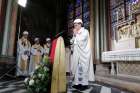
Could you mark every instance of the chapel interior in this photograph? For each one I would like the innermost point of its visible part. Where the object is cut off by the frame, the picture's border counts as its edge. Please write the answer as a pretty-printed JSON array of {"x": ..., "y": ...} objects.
[{"x": 114, "y": 27}]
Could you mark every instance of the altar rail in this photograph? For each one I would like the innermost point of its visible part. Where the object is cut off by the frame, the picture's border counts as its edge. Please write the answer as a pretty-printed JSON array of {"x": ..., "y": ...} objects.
[
  {"x": 121, "y": 55},
  {"x": 123, "y": 62}
]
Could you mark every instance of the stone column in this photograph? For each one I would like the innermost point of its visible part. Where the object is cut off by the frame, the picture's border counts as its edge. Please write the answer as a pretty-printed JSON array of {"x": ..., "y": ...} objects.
[
  {"x": 103, "y": 31},
  {"x": 0, "y": 23},
  {"x": 3, "y": 6},
  {"x": 12, "y": 34},
  {"x": 6, "y": 28},
  {"x": 10, "y": 28},
  {"x": 100, "y": 36},
  {"x": 97, "y": 32},
  {"x": 91, "y": 26}
]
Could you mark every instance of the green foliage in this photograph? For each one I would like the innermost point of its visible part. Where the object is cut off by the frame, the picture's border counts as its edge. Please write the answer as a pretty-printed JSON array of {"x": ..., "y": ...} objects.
[{"x": 39, "y": 81}]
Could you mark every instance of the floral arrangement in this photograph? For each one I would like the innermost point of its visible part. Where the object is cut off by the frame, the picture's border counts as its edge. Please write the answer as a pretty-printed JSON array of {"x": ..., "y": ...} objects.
[{"x": 39, "y": 81}]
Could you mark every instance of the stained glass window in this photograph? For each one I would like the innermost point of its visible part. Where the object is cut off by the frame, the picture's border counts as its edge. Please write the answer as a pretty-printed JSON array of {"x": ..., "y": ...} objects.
[
  {"x": 119, "y": 11},
  {"x": 78, "y": 9}
]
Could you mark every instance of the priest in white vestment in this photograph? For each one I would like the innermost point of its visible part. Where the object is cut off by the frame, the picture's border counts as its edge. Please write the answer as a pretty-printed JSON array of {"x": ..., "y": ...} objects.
[
  {"x": 36, "y": 55},
  {"x": 81, "y": 62},
  {"x": 23, "y": 53},
  {"x": 47, "y": 47}
]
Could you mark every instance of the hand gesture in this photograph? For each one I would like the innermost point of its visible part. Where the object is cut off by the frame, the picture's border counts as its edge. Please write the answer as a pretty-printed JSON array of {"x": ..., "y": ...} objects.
[{"x": 74, "y": 32}]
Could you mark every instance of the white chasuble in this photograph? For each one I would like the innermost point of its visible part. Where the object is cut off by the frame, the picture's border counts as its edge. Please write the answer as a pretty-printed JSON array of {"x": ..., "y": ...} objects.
[
  {"x": 81, "y": 62},
  {"x": 23, "y": 53},
  {"x": 36, "y": 57}
]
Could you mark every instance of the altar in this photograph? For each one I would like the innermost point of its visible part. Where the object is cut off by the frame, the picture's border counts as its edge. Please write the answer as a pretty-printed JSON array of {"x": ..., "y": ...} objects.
[
  {"x": 124, "y": 54},
  {"x": 123, "y": 62}
]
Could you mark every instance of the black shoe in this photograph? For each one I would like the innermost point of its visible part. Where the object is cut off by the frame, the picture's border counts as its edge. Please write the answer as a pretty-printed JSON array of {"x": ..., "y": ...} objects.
[
  {"x": 84, "y": 87},
  {"x": 76, "y": 86}
]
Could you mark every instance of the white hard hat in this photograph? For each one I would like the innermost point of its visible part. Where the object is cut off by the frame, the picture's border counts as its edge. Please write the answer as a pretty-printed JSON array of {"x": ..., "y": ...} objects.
[
  {"x": 25, "y": 33},
  {"x": 78, "y": 21}
]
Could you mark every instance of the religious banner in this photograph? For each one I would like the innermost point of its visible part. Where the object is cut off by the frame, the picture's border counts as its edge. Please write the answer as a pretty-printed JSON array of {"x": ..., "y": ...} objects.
[{"x": 58, "y": 84}]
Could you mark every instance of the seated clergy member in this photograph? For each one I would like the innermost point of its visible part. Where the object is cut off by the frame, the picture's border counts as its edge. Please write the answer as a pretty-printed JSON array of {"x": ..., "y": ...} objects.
[
  {"x": 23, "y": 52},
  {"x": 36, "y": 55}
]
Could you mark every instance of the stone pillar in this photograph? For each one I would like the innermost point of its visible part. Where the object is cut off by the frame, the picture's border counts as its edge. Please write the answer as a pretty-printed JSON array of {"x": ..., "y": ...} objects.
[
  {"x": 103, "y": 29},
  {"x": 97, "y": 32},
  {"x": 12, "y": 35},
  {"x": 100, "y": 36},
  {"x": 92, "y": 27},
  {"x": 0, "y": 24},
  {"x": 3, "y": 5},
  {"x": 6, "y": 28},
  {"x": 10, "y": 28},
  {"x": 100, "y": 28}
]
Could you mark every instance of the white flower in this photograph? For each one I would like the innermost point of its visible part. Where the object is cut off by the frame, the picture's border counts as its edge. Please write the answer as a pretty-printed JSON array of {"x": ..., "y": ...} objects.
[
  {"x": 26, "y": 80},
  {"x": 37, "y": 67},
  {"x": 46, "y": 69},
  {"x": 31, "y": 82},
  {"x": 39, "y": 75},
  {"x": 37, "y": 81},
  {"x": 33, "y": 76},
  {"x": 43, "y": 76}
]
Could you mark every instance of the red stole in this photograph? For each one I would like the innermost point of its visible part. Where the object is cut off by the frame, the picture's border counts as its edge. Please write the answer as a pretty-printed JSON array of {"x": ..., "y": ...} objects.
[{"x": 52, "y": 53}]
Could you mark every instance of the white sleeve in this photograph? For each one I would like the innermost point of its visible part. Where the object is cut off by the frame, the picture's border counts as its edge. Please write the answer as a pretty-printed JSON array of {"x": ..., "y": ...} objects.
[
  {"x": 33, "y": 51},
  {"x": 72, "y": 40},
  {"x": 82, "y": 40},
  {"x": 42, "y": 51},
  {"x": 20, "y": 48},
  {"x": 84, "y": 36}
]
